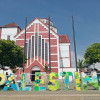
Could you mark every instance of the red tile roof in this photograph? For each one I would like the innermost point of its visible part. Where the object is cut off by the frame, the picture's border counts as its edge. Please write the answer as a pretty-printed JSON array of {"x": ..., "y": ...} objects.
[
  {"x": 64, "y": 39},
  {"x": 10, "y": 25}
]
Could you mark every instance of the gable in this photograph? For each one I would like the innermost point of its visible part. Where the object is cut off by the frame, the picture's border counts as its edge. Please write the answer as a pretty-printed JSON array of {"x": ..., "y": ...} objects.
[{"x": 31, "y": 28}]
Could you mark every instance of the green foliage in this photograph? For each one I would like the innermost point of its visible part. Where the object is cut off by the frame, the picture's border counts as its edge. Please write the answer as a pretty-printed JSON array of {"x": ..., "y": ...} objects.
[
  {"x": 92, "y": 54},
  {"x": 11, "y": 55},
  {"x": 46, "y": 69},
  {"x": 80, "y": 64}
]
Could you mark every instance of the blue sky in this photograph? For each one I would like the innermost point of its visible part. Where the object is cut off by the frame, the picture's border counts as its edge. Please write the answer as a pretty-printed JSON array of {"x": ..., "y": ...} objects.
[{"x": 86, "y": 17}]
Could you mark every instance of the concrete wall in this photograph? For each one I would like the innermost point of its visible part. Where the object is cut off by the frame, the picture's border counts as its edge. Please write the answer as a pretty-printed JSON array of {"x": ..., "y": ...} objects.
[
  {"x": 64, "y": 55},
  {"x": 8, "y": 31}
]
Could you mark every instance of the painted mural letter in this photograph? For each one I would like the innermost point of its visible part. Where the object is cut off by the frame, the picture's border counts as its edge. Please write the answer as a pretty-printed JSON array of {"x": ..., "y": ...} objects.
[
  {"x": 66, "y": 75},
  {"x": 93, "y": 81},
  {"x": 2, "y": 79},
  {"x": 11, "y": 83},
  {"x": 78, "y": 86},
  {"x": 51, "y": 87},
  {"x": 37, "y": 81},
  {"x": 23, "y": 86}
]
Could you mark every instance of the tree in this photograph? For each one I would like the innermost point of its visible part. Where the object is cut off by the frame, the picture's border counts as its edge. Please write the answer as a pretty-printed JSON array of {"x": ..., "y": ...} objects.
[
  {"x": 11, "y": 55},
  {"x": 80, "y": 64},
  {"x": 46, "y": 69},
  {"x": 92, "y": 54}
]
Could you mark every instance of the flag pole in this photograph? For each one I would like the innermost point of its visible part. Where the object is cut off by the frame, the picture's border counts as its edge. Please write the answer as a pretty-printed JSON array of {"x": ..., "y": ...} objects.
[
  {"x": 74, "y": 43},
  {"x": 49, "y": 47},
  {"x": 24, "y": 44}
]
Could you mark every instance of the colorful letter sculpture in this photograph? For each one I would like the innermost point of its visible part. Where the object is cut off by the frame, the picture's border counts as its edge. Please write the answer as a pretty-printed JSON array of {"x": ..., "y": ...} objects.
[
  {"x": 70, "y": 74},
  {"x": 66, "y": 75},
  {"x": 11, "y": 83},
  {"x": 38, "y": 81},
  {"x": 23, "y": 86},
  {"x": 2, "y": 79},
  {"x": 93, "y": 81},
  {"x": 78, "y": 86},
  {"x": 51, "y": 87}
]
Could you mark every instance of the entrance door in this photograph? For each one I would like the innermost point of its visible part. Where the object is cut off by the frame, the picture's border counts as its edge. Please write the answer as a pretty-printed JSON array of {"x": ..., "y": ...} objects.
[
  {"x": 33, "y": 76},
  {"x": 34, "y": 69}
]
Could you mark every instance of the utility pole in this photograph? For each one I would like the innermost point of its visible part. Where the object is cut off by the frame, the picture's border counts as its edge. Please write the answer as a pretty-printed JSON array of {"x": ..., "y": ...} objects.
[
  {"x": 24, "y": 44},
  {"x": 74, "y": 43},
  {"x": 49, "y": 47}
]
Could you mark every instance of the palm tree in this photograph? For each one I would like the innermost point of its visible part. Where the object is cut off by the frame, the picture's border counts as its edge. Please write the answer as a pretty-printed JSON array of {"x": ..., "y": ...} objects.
[
  {"x": 80, "y": 64},
  {"x": 46, "y": 69}
]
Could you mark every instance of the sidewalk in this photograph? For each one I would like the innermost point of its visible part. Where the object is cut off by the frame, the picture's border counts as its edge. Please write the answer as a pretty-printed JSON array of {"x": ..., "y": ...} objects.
[{"x": 50, "y": 95}]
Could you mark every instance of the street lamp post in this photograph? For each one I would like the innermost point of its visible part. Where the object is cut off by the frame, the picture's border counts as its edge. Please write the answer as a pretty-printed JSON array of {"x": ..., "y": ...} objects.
[
  {"x": 24, "y": 44},
  {"x": 74, "y": 43},
  {"x": 49, "y": 48}
]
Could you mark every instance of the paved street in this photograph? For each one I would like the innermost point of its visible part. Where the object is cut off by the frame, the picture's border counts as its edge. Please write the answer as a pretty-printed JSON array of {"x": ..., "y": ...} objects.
[{"x": 68, "y": 95}]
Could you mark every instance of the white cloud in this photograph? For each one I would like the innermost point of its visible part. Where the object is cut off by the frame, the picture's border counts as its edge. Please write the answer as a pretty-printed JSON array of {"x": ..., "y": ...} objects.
[{"x": 73, "y": 58}]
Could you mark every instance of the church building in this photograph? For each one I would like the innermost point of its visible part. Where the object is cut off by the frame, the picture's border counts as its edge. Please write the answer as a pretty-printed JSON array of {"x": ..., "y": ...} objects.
[{"x": 37, "y": 46}]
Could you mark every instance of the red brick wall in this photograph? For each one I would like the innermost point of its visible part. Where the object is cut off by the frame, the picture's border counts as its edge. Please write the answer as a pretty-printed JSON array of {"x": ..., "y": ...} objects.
[
  {"x": 53, "y": 50},
  {"x": 53, "y": 41},
  {"x": 41, "y": 28},
  {"x": 54, "y": 70},
  {"x": 54, "y": 64},
  {"x": 44, "y": 35},
  {"x": 28, "y": 35},
  {"x": 54, "y": 58},
  {"x": 31, "y": 29},
  {"x": 20, "y": 42}
]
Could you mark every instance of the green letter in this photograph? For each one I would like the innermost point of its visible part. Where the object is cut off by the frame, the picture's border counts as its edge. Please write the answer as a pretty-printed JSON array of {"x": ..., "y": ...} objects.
[
  {"x": 78, "y": 87},
  {"x": 93, "y": 81},
  {"x": 23, "y": 88},
  {"x": 53, "y": 88},
  {"x": 37, "y": 81}
]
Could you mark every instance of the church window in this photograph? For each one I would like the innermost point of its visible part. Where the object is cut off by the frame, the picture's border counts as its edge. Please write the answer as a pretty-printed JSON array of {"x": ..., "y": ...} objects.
[
  {"x": 29, "y": 49},
  {"x": 36, "y": 35},
  {"x": 42, "y": 48},
  {"x": 32, "y": 46},
  {"x": 39, "y": 51},
  {"x": 46, "y": 51}
]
